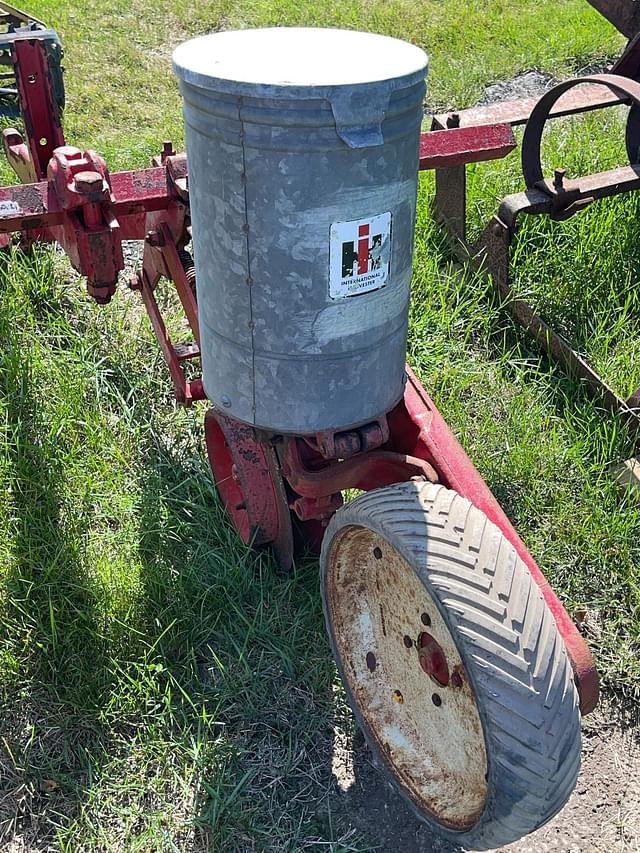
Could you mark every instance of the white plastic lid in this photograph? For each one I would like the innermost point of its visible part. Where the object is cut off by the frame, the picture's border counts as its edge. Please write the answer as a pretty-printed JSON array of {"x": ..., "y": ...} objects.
[{"x": 286, "y": 59}]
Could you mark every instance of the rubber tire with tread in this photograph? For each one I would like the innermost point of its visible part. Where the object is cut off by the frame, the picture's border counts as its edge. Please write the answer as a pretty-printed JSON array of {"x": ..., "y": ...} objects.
[{"x": 529, "y": 713}]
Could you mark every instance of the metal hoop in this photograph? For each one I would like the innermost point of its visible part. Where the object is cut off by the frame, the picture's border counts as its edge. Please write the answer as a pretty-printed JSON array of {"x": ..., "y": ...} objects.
[{"x": 621, "y": 86}]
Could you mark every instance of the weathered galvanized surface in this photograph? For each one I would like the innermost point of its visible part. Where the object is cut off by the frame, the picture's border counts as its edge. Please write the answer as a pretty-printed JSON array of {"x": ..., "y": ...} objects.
[
  {"x": 407, "y": 676},
  {"x": 302, "y": 174}
]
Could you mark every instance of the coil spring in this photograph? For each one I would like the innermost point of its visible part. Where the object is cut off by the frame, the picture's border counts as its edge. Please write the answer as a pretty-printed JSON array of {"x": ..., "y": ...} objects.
[{"x": 189, "y": 268}]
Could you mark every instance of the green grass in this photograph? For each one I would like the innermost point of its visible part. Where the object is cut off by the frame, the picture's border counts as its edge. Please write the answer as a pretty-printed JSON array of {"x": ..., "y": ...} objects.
[{"x": 162, "y": 687}]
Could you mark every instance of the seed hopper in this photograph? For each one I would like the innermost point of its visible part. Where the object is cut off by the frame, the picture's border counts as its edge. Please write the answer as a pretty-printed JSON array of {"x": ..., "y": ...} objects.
[{"x": 288, "y": 235}]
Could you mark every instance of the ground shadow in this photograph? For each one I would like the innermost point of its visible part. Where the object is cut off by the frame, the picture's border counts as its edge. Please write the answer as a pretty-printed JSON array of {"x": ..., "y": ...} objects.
[
  {"x": 379, "y": 813},
  {"x": 49, "y": 724}
]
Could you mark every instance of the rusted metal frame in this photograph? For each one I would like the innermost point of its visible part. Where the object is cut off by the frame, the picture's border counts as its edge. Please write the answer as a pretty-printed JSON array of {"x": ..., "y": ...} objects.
[
  {"x": 16, "y": 17},
  {"x": 134, "y": 196},
  {"x": 458, "y": 146},
  {"x": 88, "y": 212},
  {"x": 627, "y": 89},
  {"x": 623, "y": 179},
  {"x": 166, "y": 231},
  {"x": 365, "y": 471},
  {"x": 492, "y": 254},
  {"x": 347, "y": 443},
  {"x": 23, "y": 207},
  {"x": 623, "y": 14},
  {"x": 450, "y": 203},
  {"x": 39, "y": 107},
  {"x": 448, "y": 151},
  {"x": 417, "y": 428},
  {"x": 628, "y": 64},
  {"x": 178, "y": 275},
  {"x": 186, "y": 392},
  {"x": 515, "y": 113}
]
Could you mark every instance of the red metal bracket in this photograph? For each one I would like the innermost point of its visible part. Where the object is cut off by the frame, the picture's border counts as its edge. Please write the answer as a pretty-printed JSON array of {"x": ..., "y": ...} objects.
[
  {"x": 38, "y": 104},
  {"x": 458, "y": 146},
  {"x": 312, "y": 479}
]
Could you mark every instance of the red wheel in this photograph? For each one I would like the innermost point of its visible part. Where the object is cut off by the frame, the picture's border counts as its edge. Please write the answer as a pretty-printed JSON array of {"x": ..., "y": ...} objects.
[{"x": 247, "y": 478}]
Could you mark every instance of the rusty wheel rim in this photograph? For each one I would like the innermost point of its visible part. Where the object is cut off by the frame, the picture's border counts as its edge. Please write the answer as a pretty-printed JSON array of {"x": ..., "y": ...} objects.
[{"x": 406, "y": 678}]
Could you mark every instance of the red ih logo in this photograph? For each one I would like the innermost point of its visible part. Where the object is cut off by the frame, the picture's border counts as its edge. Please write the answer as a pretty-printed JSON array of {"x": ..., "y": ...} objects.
[
  {"x": 359, "y": 255},
  {"x": 365, "y": 254}
]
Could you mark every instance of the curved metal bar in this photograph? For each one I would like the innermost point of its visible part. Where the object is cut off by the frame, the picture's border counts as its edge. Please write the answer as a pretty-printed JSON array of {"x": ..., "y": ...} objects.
[{"x": 531, "y": 164}]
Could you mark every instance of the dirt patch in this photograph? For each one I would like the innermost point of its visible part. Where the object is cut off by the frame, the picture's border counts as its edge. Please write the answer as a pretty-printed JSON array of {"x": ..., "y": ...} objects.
[
  {"x": 529, "y": 84},
  {"x": 532, "y": 84},
  {"x": 602, "y": 816}
]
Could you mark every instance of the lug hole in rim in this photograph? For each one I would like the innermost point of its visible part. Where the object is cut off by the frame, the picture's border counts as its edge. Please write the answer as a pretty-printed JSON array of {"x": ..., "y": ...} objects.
[
  {"x": 371, "y": 661},
  {"x": 377, "y": 553},
  {"x": 425, "y": 619},
  {"x": 436, "y": 699},
  {"x": 408, "y": 642}
]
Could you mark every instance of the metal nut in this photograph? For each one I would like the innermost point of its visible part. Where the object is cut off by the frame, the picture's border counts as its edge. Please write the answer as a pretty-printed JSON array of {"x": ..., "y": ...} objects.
[
  {"x": 558, "y": 178},
  {"x": 88, "y": 182},
  {"x": 155, "y": 239}
]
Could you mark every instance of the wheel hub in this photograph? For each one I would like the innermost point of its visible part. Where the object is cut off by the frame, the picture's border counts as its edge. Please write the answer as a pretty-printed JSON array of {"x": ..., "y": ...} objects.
[{"x": 432, "y": 659}]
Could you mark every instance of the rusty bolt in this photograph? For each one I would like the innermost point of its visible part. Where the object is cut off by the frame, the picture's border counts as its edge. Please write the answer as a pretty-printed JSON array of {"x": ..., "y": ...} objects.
[
  {"x": 88, "y": 183},
  {"x": 155, "y": 239},
  {"x": 135, "y": 283},
  {"x": 558, "y": 178},
  {"x": 167, "y": 151},
  {"x": 101, "y": 292}
]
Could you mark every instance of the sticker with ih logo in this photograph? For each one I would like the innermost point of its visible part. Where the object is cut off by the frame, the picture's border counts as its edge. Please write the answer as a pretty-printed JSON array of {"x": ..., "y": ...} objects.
[{"x": 359, "y": 255}]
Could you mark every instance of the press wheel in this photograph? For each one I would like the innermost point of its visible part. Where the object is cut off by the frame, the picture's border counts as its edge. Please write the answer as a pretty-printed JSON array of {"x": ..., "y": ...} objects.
[
  {"x": 452, "y": 662},
  {"x": 248, "y": 481}
]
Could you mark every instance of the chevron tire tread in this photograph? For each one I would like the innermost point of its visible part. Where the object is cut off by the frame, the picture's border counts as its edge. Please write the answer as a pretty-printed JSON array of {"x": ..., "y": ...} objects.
[{"x": 507, "y": 638}]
